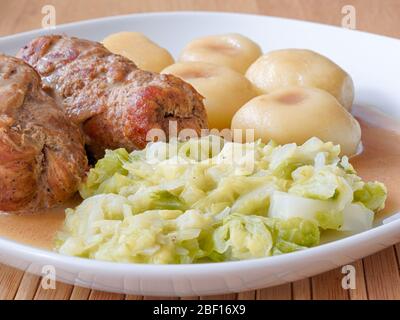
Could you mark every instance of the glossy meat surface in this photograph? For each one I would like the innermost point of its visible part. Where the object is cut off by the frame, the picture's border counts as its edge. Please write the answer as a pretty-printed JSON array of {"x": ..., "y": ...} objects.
[{"x": 115, "y": 102}]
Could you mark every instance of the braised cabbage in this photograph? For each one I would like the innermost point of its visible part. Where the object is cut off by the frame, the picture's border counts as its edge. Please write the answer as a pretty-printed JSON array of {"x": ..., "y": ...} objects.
[{"x": 211, "y": 200}]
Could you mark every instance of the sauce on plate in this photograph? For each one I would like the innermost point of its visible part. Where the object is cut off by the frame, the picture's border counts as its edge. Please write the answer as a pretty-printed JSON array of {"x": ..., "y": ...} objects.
[{"x": 380, "y": 160}]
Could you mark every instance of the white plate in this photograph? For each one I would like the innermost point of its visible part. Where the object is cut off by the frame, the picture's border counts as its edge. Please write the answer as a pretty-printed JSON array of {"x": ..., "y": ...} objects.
[{"x": 373, "y": 62}]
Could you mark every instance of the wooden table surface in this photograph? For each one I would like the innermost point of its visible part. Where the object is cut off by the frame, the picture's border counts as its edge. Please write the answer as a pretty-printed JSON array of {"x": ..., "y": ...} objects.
[{"x": 377, "y": 276}]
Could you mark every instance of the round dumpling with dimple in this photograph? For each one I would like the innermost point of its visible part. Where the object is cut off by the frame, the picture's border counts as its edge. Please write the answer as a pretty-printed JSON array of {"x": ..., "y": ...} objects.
[
  {"x": 135, "y": 46},
  {"x": 224, "y": 89},
  {"x": 297, "y": 67},
  {"x": 296, "y": 114},
  {"x": 230, "y": 50}
]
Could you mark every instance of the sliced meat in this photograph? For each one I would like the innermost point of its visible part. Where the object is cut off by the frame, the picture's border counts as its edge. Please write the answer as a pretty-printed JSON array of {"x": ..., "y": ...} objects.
[
  {"x": 115, "y": 102},
  {"x": 42, "y": 155}
]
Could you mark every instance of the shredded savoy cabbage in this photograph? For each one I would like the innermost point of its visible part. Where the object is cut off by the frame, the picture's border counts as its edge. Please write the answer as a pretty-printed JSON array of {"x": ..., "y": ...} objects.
[{"x": 210, "y": 200}]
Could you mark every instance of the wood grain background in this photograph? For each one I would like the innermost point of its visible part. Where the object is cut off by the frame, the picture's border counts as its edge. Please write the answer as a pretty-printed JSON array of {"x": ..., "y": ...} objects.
[
  {"x": 377, "y": 276},
  {"x": 378, "y": 16}
]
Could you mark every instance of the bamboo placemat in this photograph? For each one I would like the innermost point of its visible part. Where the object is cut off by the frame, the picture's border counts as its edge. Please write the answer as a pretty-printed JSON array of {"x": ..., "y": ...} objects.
[{"x": 377, "y": 277}]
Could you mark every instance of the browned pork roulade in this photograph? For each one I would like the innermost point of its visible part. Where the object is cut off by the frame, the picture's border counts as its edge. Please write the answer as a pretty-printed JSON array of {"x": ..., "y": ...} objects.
[
  {"x": 115, "y": 102},
  {"x": 42, "y": 155}
]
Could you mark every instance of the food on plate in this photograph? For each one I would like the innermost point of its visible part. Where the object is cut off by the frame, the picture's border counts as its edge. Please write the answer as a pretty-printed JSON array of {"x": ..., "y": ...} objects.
[
  {"x": 296, "y": 114},
  {"x": 192, "y": 200},
  {"x": 212, "y": 200},
  {"x": 115, "y": 102},
  {"x": 42, "y": 155},
  {"x": 296, "y": 67},
  {"x": 135, "y": 46},
  {"x": 231, "y": 50},
  {"x": 224, "y": 89}
]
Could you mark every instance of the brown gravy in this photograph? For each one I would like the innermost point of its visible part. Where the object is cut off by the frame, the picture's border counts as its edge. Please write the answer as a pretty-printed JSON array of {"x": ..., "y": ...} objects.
[{"x": 380, "y": 160}]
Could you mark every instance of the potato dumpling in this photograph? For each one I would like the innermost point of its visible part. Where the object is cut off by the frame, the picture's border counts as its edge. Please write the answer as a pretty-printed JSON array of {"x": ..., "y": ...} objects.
[
  {"x": 224, "y": 89},
  {"x": 296, "y": 67},
  {"x": 296, "y": 114},
  {"x": 135, "y": 46},
  {"x": 230, "y": 50}
]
